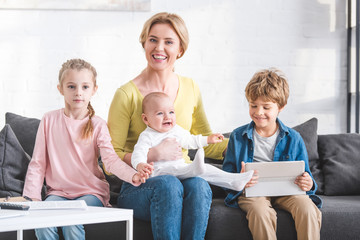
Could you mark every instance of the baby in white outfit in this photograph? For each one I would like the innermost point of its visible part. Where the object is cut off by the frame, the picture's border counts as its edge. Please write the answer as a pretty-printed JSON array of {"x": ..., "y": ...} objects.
[{"x": 159, "y": 116}]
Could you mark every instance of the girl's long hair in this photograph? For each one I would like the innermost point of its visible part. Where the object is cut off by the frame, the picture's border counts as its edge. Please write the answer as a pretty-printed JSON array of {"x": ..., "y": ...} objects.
[{"x": 79, "y": 64}]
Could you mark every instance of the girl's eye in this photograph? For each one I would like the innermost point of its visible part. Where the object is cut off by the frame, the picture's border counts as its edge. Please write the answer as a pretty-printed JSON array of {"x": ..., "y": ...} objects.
[
  {"x": 172, "y": 112},
  {"x": 71, "y": 87},
  {"x": 152, "y": 40},
  {"x": 86, "y": 87},
  {"x": 169, "y": 42}
]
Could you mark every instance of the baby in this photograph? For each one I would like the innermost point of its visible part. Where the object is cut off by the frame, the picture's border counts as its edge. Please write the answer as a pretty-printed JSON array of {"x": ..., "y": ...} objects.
[{"x": 159, "y": 116}]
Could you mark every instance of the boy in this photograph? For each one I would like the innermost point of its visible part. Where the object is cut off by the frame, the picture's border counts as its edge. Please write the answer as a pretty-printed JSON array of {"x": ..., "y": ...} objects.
[
  {"x": 159, "y": 116},
  {"x": 267, "y": 139}
]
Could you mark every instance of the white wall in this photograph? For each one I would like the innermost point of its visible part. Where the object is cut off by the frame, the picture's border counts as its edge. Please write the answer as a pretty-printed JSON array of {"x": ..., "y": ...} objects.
[{"x": 229, "y": 41}]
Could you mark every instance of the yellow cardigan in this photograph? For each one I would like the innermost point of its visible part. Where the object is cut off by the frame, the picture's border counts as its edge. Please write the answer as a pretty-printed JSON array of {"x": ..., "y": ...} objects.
[{"x": 125, "y": 123}]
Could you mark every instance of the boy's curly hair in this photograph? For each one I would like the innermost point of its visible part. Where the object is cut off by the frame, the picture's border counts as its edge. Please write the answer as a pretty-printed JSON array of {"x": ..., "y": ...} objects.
[{"x": 270, "y": 84}]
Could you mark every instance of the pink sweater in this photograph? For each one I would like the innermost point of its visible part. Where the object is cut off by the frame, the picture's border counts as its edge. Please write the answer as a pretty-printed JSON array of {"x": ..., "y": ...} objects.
[{"x": 68, "y": 163}]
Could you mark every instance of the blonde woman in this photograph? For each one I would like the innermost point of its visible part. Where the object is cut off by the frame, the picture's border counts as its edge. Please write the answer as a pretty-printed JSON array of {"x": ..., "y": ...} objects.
[{"x": 176, "y": 208}]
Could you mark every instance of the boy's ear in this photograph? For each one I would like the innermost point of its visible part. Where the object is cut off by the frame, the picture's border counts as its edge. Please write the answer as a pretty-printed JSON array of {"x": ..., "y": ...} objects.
[
  {"x": 60, "y": 89},
  {"x": 144, "y": 118},
  {"x": 280, "y": 109}
]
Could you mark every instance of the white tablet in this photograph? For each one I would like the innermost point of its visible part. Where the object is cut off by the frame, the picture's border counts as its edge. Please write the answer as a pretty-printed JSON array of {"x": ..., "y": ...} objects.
[{"x": 275, "y": 178}]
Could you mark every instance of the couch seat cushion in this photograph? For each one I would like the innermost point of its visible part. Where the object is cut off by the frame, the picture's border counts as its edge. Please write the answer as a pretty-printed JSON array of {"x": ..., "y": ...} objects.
[
  {"x": 230, "y": 223},
  {"x": 340, "y": 217}
]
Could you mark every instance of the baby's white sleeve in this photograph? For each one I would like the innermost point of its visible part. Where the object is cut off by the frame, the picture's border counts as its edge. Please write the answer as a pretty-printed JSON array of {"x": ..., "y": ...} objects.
[
  {"x": 141, "y": 150},
  {"x": 189, "y": 141}
]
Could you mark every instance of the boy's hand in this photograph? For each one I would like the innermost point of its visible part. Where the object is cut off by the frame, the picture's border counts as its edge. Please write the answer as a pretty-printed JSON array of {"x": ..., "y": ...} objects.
[
  {"x": 304, "y": 182},
  {"x": 253, "y": 180},
  {"x": 215, "y": 138}
]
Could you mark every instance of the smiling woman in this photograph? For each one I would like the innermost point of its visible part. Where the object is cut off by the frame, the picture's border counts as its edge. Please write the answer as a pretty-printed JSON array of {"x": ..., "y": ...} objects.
[
  {"x": 162, "y": 49},
  {"x": 176, "y": 207}
]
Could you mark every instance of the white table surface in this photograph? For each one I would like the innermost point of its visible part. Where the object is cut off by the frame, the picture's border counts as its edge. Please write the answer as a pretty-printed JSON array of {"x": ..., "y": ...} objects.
[{"x": 53, "y": 218}]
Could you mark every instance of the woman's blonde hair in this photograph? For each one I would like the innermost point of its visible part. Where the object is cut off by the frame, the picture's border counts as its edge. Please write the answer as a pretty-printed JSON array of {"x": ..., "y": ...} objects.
[
  {"x": 79, "y": 64},
  {"x": 271, "y": 84},
  {"x": 175, "y": 21}
]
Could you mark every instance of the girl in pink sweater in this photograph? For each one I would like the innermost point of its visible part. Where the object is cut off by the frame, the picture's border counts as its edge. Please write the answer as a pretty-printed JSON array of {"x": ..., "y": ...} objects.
[{"x": 68, "y": 144}]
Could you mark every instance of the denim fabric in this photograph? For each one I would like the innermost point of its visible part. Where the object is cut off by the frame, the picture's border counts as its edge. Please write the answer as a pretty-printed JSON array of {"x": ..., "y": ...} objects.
[
  {"x": 177, "y": 209},
  {"x": 69, "y": 232},
  {"x": 289, "y": 147},
  {"x": 196, "y": 207}
]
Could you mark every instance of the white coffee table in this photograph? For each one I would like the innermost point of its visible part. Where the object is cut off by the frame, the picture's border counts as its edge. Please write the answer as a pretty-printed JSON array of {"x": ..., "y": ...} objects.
[{"x": 54, "y": 218}]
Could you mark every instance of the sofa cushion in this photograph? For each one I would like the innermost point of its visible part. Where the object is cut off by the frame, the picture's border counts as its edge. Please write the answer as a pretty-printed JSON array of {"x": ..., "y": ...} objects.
[
  {"x": 25, "y": 130},
  {"x": 308, "y": 131},
  {"x": 340, "y": 217},
  {"x": 231, "y": 223},
  {"x": 13, "y": 164},
  {"x": 340, "y": 156}
]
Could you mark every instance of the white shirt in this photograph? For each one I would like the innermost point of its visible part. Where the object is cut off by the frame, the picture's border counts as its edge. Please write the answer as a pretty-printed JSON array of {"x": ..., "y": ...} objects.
[{"x": 150, "y": 138}]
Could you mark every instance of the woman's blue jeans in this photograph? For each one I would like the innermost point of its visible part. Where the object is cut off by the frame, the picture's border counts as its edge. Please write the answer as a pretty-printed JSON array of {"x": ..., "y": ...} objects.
[
  {"x": 70, "y": 232},
  {"x": 177, "y": 209}
]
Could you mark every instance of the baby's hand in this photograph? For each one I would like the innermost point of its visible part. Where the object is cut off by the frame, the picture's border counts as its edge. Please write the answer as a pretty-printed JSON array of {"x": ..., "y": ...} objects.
[
  {"x": 253, "y": 180},
  {"x": 215, "y": 138},
  {"x": 304, "y": 182},
  {"x": 145, "y": 169}
]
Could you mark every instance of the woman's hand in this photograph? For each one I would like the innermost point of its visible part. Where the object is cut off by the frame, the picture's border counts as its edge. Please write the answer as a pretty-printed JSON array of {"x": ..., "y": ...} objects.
[
  {"x": 253, "y": 180},
  {"x": 304, "y": 182},
  {"x": 168, "y": 150}
]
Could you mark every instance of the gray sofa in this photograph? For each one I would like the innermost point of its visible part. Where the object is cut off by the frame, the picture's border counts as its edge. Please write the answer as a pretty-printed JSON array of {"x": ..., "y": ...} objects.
[{"x": 334, "y": 161}]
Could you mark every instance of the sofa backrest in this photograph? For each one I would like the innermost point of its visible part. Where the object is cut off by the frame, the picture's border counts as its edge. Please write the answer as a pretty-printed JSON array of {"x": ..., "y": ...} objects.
[
  {"x": 25, "y": 130},
  {"x": 339, "y": 157}
]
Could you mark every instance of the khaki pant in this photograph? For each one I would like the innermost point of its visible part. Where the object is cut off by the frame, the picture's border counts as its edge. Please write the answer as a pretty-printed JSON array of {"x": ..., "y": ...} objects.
[{"x": 262, "y": 216}]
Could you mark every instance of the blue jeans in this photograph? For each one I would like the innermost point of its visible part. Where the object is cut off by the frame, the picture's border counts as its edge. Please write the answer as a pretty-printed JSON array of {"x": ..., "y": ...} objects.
[
  {"x": 177, "y": 209},
  {"x": 70, "y": 232}
]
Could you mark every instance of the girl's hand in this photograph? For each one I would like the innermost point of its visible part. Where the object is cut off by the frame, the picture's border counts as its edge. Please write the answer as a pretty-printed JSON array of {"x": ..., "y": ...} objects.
[
  {"x": 253, "y": 180},
  {"x": 139, "y": 178},
  {"x": 304, "y": 182},
  {"x": 168, "y": 150},
  {"x": 215, "y": 138}
]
